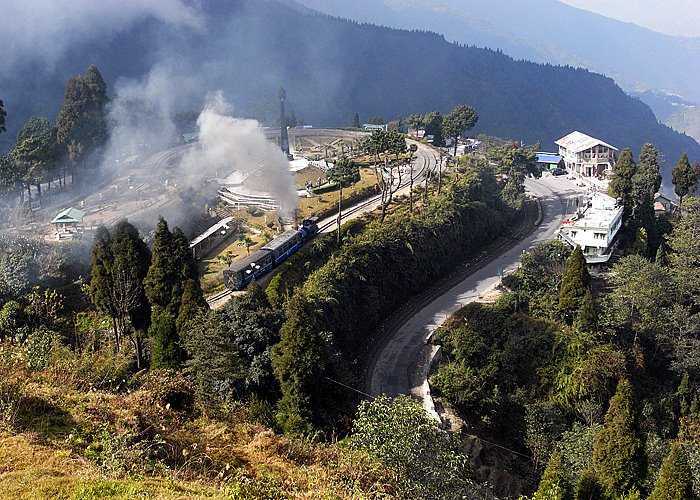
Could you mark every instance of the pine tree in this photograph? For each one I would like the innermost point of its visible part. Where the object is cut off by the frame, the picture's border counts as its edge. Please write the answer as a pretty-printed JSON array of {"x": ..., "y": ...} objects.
[
  {"x": 587, "y": 318},
  {"x": 554, "y": 484},
  {"x": 621, "y": 181},
  {"x": 101, "y": 277},
  {"x": 574, "y": 284},
  {"x": 675, "y": 481},
  {"x": 192, "y": 305},
  {"x": 685, "y": 179},
  {"x": 165, "y": 348},
  {"x": 617, "y": 448},
  {"x": 587, "y": 487},
  {"x": 661, "y": 258},
  {"x": 356, "y": 121},
  {"x": 162, "y": 274}
]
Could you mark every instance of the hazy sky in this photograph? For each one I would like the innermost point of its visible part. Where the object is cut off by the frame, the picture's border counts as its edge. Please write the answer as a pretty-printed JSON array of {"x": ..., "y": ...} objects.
[{"x": 675, "y": 17}]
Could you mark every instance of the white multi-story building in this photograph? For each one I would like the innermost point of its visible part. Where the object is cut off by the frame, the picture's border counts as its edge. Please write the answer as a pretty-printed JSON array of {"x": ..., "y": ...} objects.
[
  {"x": 594, "y": 228},
  {"x": 587, "y": 156}
]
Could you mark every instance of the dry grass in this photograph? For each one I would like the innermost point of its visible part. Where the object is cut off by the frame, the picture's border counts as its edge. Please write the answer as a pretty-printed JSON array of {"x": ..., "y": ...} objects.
[
  {"x": 311, "y": 206},
  {"x": 147, "y": 442}
]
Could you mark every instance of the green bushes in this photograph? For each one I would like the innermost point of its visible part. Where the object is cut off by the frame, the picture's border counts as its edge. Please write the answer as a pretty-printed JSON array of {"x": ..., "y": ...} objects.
[{"x": 345, "y": 301}]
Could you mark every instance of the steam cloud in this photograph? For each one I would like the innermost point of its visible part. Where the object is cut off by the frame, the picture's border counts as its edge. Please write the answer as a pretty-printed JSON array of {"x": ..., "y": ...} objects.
[
  {"x": 44, "y": 30},
  {"x": 228, "y": 143}
]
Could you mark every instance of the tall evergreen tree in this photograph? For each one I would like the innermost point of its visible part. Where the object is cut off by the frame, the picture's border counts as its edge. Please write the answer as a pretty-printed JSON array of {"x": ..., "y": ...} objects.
[
  {"x": 129, "y": 269},
  {"x": 433, "y": 122},
  {"x": 356, "y": 121},
  {"x": 101, "y": 278},
  {"x": 587, "y": 317},
  {"x": 621, "y": 181},
  {"x": 192, "y": 305},
  {"x": 554, "y": 484},
  {"x": 162, "y": 275},
  {"x": 82, "y": 120},
  {"x": 675, "y": 481},
  {"x": 458, "y": 121},
  {"x": 166, "y": 351},
  {"x": 618, "y": 453},
  {"x": 685, "y": 179},
  {"x": 574, "y": 284},
  {"x": 34, "y": 153}
]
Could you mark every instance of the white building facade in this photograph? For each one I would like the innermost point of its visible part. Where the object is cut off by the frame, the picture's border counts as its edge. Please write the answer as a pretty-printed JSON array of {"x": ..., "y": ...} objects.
[
  {"x": 587, "y": 156},
  {"x": 594, "y": 228}
]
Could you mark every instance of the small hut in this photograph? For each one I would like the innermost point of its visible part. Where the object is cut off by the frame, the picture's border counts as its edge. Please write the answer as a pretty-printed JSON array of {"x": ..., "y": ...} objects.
[{"x": 68, "y": 223}]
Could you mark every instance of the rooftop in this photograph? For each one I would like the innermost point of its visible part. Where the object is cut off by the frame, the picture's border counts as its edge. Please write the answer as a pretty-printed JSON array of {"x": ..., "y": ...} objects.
[
  {"x": 578, "y": 141},
  {"x": 601, "y": 213},
  {"x": 551, "y": 158},
  {"x": 280, "y": 240},
  {"x": 221, "y": 225},
  {"x": 69, "y": 216}
]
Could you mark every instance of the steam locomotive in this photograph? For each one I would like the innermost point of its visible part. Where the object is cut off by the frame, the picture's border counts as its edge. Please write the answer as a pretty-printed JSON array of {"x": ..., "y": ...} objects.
[{"x": 242, "y": 272}]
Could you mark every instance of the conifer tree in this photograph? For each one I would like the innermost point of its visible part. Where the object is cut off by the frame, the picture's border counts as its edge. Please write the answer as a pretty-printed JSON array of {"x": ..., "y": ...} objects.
[
  {"x": 621, "y": 181},
  {"x": 685, "y": 179},
  {"x": 587, "y": 318},
  {"x": 574, "y": 284},
  {"x": 356, "y": 121},
  {"x": 675, "y": 481},
  {"x": 192, "y": 304},
  {"x": 587, "y": 487},
  {"x": 101, "y": 277},
  {"x": 554, "y": 484},
  {"x": 165, "y": 350},
  {"x": 162, "y": 274},
  {"x": 617, "y": 448}
]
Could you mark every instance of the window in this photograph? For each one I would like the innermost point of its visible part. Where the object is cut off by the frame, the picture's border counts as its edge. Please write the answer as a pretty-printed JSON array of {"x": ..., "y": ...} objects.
[
  {"x": 573, "y": 234},
  {"x": 600, "y": 236}
]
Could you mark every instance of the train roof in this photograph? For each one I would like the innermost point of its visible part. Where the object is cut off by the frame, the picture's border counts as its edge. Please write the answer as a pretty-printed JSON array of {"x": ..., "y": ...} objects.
[
  {"x": 280, "y": 240},
  {"x": 239, "y": 265}
]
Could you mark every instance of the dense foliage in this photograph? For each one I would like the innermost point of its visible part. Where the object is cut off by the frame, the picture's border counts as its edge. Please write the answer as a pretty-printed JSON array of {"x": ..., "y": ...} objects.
[{"x": 338, "y": 313}]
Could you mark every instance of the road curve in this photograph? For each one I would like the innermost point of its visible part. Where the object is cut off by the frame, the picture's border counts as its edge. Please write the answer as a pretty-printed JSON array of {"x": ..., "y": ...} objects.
[{"x": 402, "y": 366}]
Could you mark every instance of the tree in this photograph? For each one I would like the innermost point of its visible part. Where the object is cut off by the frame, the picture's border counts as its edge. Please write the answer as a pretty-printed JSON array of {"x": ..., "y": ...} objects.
[
  {"x": 82, "y": 120},
  {"x": 163, "y": 272},
  {"x": 101, "y": 279},
  {"x": 166, "y": 351},
  {"x": 647, "y": 178},
  {"x": 685, "y": 180},
  {"x": 3, "y": 116},
  {"x": 621, "y": 186},
  {"x": 415, "y": 122},
  {"x": 34, "y": 153},
  {"x": 675, "y": 481},
  {"x": 425, "y": 459},
  {"x": 587, "y": 318},
  {"x": 617, "y": 449},
  {"x": 639, "y": 294},
  {"x": 343, "y": 173},
  {"x": 433, "y": 126},
  {"x": 684, "y": 257},
  {"x": 247, "y": 242},
  {"x": 574, "y": 285},
  {"x": 554, "y": 484},
  {"x": 376, "y": 120},
  {"x": 460, "y": 119},
  {"x": 356, "y": 121},
  {"x": 192, "y": 305}
]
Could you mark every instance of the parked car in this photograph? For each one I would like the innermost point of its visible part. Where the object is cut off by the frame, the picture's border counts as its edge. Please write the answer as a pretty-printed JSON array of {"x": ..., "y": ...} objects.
[{"x": 558, "y": 171}]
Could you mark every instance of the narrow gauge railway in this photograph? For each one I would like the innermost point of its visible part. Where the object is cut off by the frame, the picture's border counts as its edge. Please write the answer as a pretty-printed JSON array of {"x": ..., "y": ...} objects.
[{"x": 260, "y": 262}]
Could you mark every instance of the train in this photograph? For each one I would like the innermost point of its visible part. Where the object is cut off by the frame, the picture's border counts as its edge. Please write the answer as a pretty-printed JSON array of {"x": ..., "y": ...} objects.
[{"x": 242, "y": 272}]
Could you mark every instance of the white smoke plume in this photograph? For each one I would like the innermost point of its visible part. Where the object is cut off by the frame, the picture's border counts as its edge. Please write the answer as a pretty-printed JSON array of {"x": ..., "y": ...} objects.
[
  {"x": 44, "y": 30},
  {"x": 228, "y": 144}
]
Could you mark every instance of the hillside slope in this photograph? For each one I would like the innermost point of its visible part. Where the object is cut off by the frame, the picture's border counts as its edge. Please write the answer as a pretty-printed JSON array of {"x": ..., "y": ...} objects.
[
  {"x": 333, "y": 68},
  {"x": 544, "y": 31}
]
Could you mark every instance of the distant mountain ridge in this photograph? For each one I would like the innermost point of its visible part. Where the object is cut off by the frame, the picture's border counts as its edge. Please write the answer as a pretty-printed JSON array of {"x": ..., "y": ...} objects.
[
  {"x": 545, "y": 31},
  {"x": 332, "y": 69}
]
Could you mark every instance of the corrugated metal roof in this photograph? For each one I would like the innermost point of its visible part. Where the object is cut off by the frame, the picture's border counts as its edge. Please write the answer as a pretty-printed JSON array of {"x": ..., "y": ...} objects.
[
  {"x": 239, "y": 265},
  {"x": 69, "y": 215},
  {"x": 280, "y": 240},
  {"x": 578, "y": 141},
  {"x": 548, "y": 158}
]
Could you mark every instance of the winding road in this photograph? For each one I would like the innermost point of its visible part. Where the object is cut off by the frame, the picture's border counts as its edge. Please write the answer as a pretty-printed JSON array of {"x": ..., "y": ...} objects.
[{"x": 403, "y": 363}]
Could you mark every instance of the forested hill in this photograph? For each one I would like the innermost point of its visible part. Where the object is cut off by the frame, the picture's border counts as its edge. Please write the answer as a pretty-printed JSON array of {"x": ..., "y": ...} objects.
[{"x": 333, "y": 68}]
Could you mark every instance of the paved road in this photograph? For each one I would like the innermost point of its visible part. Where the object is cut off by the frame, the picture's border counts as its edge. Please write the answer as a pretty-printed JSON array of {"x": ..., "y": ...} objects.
[{"x": 403, "y": 364}]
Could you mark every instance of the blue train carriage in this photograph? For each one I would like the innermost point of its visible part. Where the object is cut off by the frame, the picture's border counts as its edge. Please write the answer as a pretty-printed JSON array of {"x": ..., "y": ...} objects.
[{"x": 259, "y": 263}]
